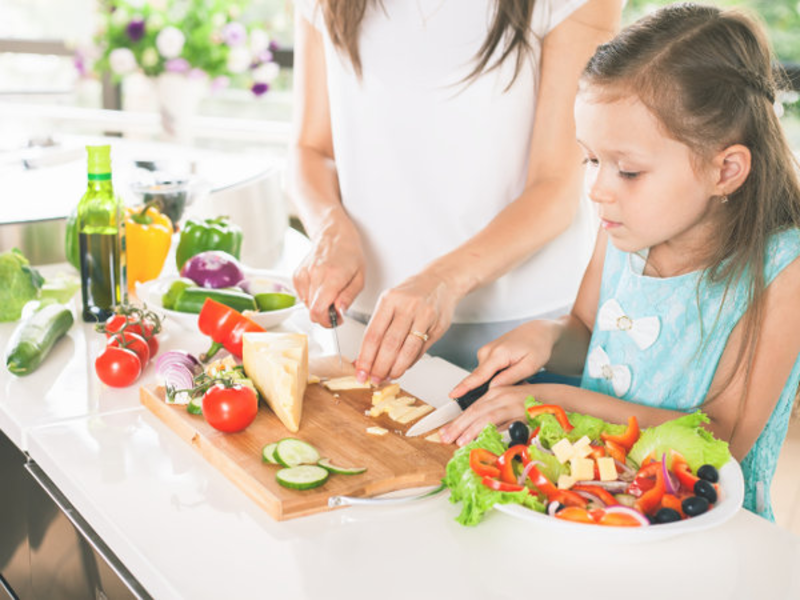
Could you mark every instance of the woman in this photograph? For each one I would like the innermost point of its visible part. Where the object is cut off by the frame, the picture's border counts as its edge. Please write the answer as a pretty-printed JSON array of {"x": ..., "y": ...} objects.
[{"x": 435, "y": 168}]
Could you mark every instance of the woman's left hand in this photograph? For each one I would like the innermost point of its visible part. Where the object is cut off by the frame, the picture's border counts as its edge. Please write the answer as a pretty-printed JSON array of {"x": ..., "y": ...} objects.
[
  {"x": 501, "y": 405},
  {"x": 407, "y": 320}
]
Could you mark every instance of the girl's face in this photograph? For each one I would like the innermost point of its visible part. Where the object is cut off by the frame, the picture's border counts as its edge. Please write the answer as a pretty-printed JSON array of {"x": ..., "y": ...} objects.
[{"x": 643, "y": 183}]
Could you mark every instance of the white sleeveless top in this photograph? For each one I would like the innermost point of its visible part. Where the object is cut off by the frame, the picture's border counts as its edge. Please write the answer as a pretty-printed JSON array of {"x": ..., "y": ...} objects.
[{"x": 425, "y": 162}]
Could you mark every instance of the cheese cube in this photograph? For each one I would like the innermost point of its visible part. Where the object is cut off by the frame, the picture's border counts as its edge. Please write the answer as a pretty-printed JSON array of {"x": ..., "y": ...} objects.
[
  {"x": 377, "y": 430},
  {"x": 390, "y": 391},
  {"x": 565, "y": 481},
  {"x": 563, "y": 450},
  {"x": 278, "y": 365},
  {"x": 582, "y": 469},
  {"x": 607, "y": 468},
  {"x": 582, "y": 448}
]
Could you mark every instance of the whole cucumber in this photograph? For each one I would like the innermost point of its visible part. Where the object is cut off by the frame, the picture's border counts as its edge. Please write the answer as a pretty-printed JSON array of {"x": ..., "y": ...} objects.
[
  {"x": 191, "y": 300},
  {"x": 35, "y": 336}
]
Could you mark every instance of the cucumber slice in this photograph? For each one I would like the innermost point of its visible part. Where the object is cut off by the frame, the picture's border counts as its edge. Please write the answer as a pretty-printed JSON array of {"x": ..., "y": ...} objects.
[
  {"x": 195, "y": 406},
  {"x": 268, "y": 453},
  {"x": 291, "y": 452},
  {"x": 303, "y": 477},
  {"x": 326, "y": 463}
]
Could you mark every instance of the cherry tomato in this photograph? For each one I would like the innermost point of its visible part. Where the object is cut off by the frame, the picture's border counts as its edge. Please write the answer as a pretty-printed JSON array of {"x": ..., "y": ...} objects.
[
  {"x": 230, "y": 409},
  {"x": 133, "y": 341},
  {"x": 116, "y": 322},
  {"x": 117, "y": 367}
]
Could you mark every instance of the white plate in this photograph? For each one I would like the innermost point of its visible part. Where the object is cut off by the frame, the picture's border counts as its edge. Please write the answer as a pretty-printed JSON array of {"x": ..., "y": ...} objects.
[
  {"x": 731, "y": 485},
  {"x": 150, "y": 292}
]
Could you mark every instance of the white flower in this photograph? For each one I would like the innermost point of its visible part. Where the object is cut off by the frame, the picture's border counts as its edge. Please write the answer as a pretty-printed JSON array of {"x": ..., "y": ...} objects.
[
  {"x": 266, "y": 72},
  {"x": 238, "y": 59},
  {"x": 122, "y": 61},
  {"x": 155, "y": 21},
  {"x": 149, "y": 57},
  {"x": 170, "y": 42},
  {"x": 218, "y": 20},
  {"x": 259, "y": 41}
]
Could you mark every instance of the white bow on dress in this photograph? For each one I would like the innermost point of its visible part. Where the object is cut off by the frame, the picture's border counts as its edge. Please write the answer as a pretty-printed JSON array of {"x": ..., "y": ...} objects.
[
  {"x": 644, "y": 330},
  {"x": 600, "y": 367}
]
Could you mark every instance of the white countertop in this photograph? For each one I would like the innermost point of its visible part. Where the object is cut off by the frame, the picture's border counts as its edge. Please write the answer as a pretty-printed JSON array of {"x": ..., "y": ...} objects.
[{"x": 185, "y": 531}]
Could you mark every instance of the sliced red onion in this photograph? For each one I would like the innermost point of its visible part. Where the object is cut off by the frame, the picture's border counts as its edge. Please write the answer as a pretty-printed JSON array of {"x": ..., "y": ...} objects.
[
  {"x": 615, "y": 487},
  {"x": 591, "y": 498},
  {"x": 526, "y": 471},
  {"x": 552, "y": 508},
  {"x": 669, "y": 484},
  {"x": 627, "y": 510},
  {"x": 537, "y": 442},
  {"x": 627, "y": 473},
  {"x": 178, "y": 357}
]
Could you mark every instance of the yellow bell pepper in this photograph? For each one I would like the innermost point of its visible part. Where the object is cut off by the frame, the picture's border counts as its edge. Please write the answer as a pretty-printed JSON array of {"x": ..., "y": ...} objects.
[{"x": 148, "y": 235}]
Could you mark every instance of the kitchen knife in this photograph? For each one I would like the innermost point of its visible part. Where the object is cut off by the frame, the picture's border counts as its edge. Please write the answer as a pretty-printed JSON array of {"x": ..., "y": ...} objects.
[
  {"x": 334, "y": 324},
  {"x": 449, "y": 411}
]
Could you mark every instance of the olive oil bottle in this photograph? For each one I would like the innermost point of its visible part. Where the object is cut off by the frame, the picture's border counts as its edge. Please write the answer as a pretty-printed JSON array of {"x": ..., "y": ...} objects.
[{"x": 101, "y": 235}]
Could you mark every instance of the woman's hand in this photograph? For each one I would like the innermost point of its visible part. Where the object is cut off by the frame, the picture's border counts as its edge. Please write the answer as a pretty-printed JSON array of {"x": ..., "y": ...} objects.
[
  {"x": 407, "y": 321},
  {"x": 333, "y": 272},
  {"x": 519, "y": 354},
  {"x": 501, "y": 405}
]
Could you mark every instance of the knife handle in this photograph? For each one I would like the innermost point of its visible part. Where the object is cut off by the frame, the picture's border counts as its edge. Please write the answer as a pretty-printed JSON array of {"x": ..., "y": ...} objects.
[
  {"x": 471, "y": 396},
  {"x": 334, "y": 318}
]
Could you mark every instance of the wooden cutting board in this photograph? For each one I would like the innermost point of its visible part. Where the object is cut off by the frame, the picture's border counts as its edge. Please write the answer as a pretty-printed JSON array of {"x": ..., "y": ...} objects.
[{"x": 333, "y": 422}]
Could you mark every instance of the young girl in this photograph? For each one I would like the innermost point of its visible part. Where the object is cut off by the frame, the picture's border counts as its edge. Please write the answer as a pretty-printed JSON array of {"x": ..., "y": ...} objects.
[{"x": 690, "y": 299}]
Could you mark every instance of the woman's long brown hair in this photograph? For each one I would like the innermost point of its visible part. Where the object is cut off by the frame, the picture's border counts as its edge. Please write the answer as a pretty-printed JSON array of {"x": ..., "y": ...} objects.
[
  {"x": 708, "y": 75},
  {"x": 510, "y": 30}
]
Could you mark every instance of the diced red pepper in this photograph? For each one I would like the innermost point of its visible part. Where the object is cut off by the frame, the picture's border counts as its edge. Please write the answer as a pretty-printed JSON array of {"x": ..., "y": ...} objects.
[
  {"x": 506, "y": 462},
  {"x": 616, "y": 451},
  {"x": 649, "y": 501},
  {"x": 551, "y": 409},
  {"x": 682, "y": 471},
  {"x": 626, "y": 439},
  {"x": 596, "y": 490},
  {"x": 551, "y": 492},
  {"x": 501, "y": 486},
  {"x": 484, "y": 462}
]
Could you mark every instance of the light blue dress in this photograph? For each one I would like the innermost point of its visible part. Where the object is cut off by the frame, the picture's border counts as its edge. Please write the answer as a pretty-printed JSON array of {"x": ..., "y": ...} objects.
[{"x": 657, "y": 341}]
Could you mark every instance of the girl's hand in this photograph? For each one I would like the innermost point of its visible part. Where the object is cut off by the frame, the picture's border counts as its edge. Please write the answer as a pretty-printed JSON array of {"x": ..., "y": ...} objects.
[
  {"x": 332, "y": 273},
  {"x": 502, "y": 405},
  {"x": 521, "y": 353},
  {"x": 407, "y": 321}
]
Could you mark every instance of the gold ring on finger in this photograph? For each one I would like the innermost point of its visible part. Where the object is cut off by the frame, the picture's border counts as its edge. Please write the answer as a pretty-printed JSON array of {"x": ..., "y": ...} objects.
[{"x": 423, "y": 336}]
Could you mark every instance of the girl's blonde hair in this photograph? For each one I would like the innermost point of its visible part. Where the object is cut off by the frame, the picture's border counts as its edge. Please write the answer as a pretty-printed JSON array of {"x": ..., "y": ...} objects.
[{"x": 707, "y": 74}]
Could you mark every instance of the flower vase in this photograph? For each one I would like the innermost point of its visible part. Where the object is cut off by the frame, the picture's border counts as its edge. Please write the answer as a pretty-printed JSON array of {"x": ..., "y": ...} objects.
[{"x": 178, "y": 98}]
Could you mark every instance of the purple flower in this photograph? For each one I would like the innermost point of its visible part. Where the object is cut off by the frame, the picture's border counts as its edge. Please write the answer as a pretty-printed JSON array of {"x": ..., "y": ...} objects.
[
  {"x": 135, "y": 29},
  {"x": 264, "y": 57},
  {"x": 234, "y": 34},
  {"x": 79, "y": 60},
  {"x": 197, "y": 74},
  {"x": 177, "y": 65},
  {"x": 259, "y": 89},
  {"x": 274, "y": 46}
]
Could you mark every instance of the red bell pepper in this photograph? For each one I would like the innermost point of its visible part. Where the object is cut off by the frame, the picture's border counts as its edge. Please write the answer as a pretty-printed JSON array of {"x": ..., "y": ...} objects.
[
  {"x": 551, "y": 492},
  {"x": 596, "y": 490},
  {"x": 506, "y": 462},
  {"x": 682, "y": 471},
  {"x": 225, "y": 326},
  {"x": 616, "y": 451},
  {"x": 533, "y": 434},
  {"x": 673, "y": 502},
  {"x": 484, "y": 462},
  {"x": 501, "y": 486},
  {"x": 650, "y": 500},
  {"x": 618, "y": 520},
  {"x": 576, "y": 514},
  {"x": 551, "y": 409},
  {"x": 626, "y": 439}
]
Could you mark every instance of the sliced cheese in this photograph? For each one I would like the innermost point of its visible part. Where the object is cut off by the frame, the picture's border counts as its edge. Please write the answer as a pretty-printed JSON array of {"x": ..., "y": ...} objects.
[
  {"x": 390, "y": 391},
  {"x": 387, "y": 405},
  {"x": 398, "y": 412},
  {"x": 415, "y": 413},
  {"x": 278, "y": 365},
  {"x": 607, "y": 468},
  {"x": 563, "y": 450},
  {"x": 346, "y": 383},
  {"x": 581, "y": 469},
  {"x": 377, "y": 430}
]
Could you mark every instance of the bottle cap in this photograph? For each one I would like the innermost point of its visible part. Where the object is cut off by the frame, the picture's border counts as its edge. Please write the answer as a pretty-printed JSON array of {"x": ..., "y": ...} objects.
[{"x": 99, "y": 160}]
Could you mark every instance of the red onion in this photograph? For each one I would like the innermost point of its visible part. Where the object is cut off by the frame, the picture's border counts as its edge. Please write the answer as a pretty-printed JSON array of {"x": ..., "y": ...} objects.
[
  {"x": 627, "y": 474},
  {"x": 179, "y": 357},
  {"x": 627, "y": 510},
  {"x": 526, "y": 471},
  {"x": 552, "y": 508},
  {"x": 213, "y": 269},
  {"x": 591, "y": 498},
  {"x": 669, "y": 484},
  {"x": 615, "y": 487},
  {"x": 536, "y": 442}
]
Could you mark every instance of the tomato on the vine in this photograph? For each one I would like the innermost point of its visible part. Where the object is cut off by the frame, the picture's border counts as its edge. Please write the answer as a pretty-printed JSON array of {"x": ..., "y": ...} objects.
[
  {"x": 230, "y": 408},
  {"x": 134, "y": 324},
  {"x": 132, "y": 341},
  {"x": 117, "y": 367}
]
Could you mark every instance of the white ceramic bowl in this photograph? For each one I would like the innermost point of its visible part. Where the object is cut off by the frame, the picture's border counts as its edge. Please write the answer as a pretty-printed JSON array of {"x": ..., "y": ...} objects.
[{"x": 150, "y": 292}]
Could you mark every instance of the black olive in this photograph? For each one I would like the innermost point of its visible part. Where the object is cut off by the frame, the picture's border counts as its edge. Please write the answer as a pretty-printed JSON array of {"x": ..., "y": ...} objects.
[
  {"x": 694, "y": 505},
  {"x": 518, "y": 431},
  {"x": 666, "y": 515},
  {"x": 709, "y": 473},
  {"x": 706, "y": 490}
]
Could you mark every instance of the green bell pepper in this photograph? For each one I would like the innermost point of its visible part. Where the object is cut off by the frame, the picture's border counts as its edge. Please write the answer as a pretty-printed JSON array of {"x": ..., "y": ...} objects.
[{"x": 209, "y": 234}]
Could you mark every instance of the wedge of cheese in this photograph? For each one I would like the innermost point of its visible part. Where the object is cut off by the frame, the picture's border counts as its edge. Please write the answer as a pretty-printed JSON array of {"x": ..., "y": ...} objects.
[{"x": 278, "y": 365}]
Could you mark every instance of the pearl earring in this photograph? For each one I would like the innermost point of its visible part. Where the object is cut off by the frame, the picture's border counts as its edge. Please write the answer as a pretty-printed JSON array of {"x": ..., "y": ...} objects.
[{"x": 723, "y": 199}]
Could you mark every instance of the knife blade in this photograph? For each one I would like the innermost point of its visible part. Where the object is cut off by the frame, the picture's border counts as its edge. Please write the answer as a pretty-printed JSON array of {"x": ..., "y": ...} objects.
[
  {"x": 334, "y": 324},
  {"x": 449, "y": 411}
]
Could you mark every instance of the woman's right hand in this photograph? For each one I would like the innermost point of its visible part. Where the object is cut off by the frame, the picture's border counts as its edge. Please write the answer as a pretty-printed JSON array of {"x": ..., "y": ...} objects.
[
  {"x": 519, "y": 354},
  {"x": 333, "y": 272}
]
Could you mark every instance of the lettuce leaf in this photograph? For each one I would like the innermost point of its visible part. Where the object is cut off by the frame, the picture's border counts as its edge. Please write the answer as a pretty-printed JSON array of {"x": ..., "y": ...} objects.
[
  {"x": 551, "y": 432},
  {"x": 467, "y": 487},
  {"x": 686, "y": 435}
]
